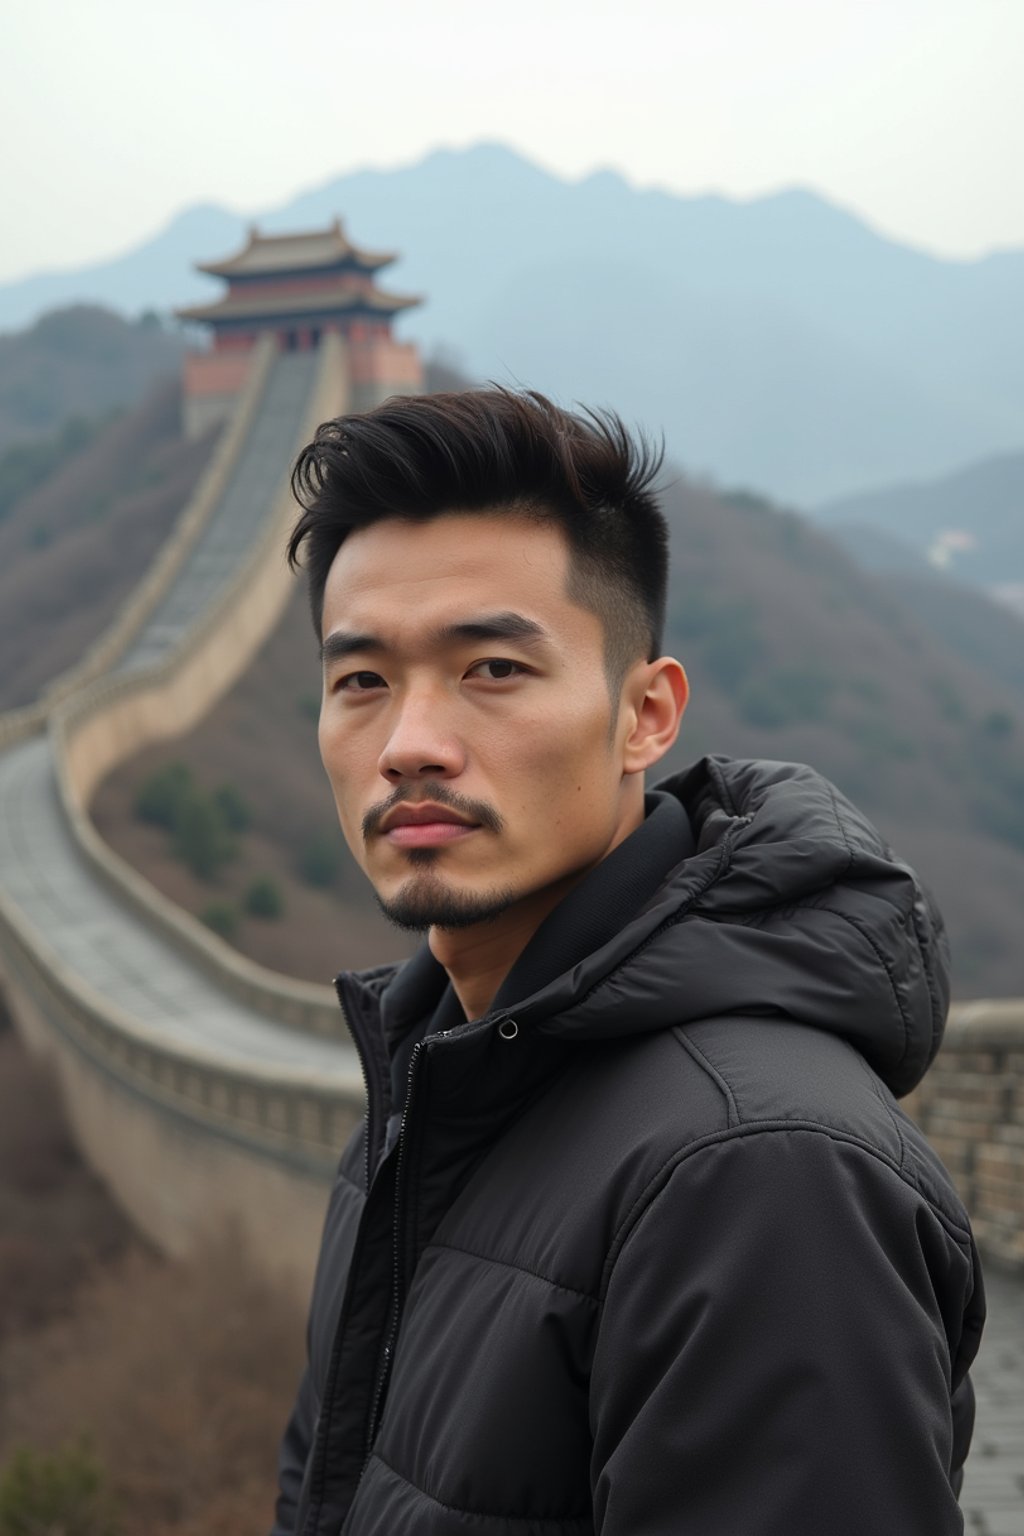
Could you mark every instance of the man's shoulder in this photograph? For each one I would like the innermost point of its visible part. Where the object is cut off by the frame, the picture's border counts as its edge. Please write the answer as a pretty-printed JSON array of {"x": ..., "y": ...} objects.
[
  {"x": 741, "y": 1078},
  {"x": 682, "y": 1092}
]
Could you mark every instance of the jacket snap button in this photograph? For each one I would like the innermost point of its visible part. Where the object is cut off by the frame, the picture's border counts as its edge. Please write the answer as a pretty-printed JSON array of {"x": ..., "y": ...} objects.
[{"x": 508, "y": 1029}]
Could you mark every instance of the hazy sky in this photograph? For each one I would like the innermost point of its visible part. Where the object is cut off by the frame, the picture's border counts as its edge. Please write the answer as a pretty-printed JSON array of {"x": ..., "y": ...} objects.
[{"x": 114, "y": 114}]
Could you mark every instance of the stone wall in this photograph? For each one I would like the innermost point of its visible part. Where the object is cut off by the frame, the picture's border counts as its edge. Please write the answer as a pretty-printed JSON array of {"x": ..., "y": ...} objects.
[
  {"x": 187, "y": 1145},
  {"x": 185, "y": 1140},
  {"x": 971, "y": 1108},
  {"x": 114, "y": 717}
]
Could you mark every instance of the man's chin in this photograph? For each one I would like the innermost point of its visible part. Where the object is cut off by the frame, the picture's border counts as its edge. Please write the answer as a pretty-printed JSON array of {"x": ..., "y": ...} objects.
[{"x": 428, "y": 902}]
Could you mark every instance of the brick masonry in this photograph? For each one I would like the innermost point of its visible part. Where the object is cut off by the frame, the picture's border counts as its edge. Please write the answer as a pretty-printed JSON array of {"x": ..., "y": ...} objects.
[{"x": 971, "y": 1107}]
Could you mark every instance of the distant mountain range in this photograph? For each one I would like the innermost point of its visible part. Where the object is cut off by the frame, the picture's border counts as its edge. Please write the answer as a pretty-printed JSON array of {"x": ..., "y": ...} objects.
[{"x": 778, "y": 343}]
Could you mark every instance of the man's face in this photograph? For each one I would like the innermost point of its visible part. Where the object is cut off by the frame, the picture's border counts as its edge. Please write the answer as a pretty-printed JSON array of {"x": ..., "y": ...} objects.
[{"x": 466, "y": 723}]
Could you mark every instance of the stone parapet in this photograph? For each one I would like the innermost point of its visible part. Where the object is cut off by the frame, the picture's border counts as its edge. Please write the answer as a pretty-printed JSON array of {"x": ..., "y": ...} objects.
[
  {"x": 18, "y": 724},
  {"x": 971, "y": 1108},
  {"x": 188, "y": 1142}
]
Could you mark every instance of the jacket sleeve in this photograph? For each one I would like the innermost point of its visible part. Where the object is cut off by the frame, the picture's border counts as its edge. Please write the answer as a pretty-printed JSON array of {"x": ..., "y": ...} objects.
[
  {"x": 293, "y": 1456},
  {"x": 772, "y": 1356}
]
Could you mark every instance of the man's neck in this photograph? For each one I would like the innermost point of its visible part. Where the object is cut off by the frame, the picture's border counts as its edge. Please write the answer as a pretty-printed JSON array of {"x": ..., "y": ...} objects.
[{"x": 478, "y": 959}]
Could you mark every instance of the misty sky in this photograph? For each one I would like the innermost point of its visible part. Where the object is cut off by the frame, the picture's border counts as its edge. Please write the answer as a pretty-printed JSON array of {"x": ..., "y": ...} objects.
[{"x": 114, "y": 115}]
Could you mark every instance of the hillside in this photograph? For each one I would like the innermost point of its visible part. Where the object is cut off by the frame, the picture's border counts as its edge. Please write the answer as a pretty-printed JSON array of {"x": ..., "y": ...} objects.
[
  {"x": 983, "y": 501},
  {"x": 72, "y": 549},
  {"x": 983, "y": 630},
  {"x": 80, "y": 1359},
  {"x": 780, "y": 342},
  {"x": 82, "y": 361},
  {"x": 793, "y": 653}
]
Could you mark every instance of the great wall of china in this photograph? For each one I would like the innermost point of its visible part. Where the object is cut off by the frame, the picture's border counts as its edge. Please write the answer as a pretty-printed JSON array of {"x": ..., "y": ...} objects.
[{"x": 204, "y": 1089}]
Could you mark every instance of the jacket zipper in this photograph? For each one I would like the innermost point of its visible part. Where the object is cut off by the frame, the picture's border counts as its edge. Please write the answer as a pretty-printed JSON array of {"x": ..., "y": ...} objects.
[
  {"x": 397, "y": 1257},
  {"x": 380, "y": 1391},
  {"x": 372, "y": 1110}
]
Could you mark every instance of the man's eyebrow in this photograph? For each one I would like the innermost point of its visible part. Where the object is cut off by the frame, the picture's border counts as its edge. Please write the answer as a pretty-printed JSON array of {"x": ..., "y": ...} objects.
[
  {"x": 495, "y": 626},
  {"x": 341, "y": 643}
]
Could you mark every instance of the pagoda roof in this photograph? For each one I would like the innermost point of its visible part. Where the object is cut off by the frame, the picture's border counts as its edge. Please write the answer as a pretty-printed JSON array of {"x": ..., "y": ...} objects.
[
  {"x": 244, "y": 306},
  {"x": 312, "y": 250}
]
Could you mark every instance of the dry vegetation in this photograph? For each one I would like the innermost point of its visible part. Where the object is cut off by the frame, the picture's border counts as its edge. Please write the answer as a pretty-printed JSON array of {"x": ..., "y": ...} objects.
[
  {"x": 179, "y": 1375},
  {"x": 72, "y": 550}
]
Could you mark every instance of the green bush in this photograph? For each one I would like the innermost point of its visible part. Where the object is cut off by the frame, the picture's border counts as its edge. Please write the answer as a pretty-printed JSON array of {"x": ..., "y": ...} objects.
[
  {"x": 233, "y": 807},
  {"x": 264, "y": 898},
  {"x": 64, "y": 1494},
  {"x": 998, "y": 724},
  {"x": 203, "y": 826},
  {"x": 319, "y": 861},
  {"x": 221, "y": 917},
  {"x": 161, "y": 800},
  {"x": 951, "y": 705},
  {"x": 201, "y": 838}
]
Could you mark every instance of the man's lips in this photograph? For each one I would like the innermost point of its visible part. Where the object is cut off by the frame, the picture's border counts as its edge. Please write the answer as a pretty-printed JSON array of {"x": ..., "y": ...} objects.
[{"x": 424, "y": 826}]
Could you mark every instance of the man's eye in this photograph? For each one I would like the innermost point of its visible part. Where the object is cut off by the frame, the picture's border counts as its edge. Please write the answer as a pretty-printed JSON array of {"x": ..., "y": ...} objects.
[
  {"x": 496, "y": 669},
  {"x": 360, "y": 682}
]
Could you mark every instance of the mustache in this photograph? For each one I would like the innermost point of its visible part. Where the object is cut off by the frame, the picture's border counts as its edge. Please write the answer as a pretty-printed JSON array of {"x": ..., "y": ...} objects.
[{"x": 434, "y": 791}]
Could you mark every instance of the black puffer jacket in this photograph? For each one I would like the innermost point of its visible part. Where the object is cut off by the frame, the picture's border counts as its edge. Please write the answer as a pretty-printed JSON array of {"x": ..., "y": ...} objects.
[{"x": 655, "y": 1252}]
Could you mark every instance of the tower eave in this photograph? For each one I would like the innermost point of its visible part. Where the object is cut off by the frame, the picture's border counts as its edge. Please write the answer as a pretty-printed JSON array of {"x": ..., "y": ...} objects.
[
  {"x": 232, "y": 307},
  {"x": 310, "y": 251}
]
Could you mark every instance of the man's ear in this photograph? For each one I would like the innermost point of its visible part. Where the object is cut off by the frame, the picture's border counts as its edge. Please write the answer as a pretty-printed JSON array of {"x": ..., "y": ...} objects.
[{"x": 656, "y": 695}]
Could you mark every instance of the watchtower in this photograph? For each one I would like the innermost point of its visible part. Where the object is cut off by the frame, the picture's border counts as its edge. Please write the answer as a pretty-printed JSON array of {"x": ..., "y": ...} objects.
[{"x": 299, "y": 287}]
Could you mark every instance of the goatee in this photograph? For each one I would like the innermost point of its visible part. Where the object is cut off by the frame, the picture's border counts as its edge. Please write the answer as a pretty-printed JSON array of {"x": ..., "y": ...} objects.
[{"x": 427, "y": 902}]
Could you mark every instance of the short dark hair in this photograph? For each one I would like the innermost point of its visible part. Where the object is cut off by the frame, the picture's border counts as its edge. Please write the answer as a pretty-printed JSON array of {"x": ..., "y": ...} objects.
[{"x": 478, "y": 450}]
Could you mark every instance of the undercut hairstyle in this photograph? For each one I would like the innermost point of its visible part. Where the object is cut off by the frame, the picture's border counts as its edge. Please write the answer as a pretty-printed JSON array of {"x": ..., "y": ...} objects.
[{"x": 499, "y": 450}]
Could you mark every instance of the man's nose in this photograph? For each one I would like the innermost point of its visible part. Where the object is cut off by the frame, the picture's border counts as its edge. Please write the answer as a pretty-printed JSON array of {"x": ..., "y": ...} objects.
[{"x": 419, "y": 745}]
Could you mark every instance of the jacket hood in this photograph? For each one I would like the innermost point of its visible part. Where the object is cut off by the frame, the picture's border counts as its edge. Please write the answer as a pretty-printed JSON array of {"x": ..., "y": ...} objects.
[{"x": 791, "y": 906}]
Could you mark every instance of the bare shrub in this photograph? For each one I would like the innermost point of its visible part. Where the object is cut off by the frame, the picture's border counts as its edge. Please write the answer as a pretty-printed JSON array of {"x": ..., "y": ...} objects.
[
  {"x": 183, "y": 1375},
  {"x": 57, "y": 1224},
  {"x": 65, "y": 1494}
]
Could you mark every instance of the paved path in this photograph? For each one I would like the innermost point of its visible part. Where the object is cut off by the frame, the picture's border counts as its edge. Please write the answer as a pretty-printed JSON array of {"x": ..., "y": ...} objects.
[
  {"x": 110, "y": 948},
  {"x": 268, "y": 450},
  {"x": 993, "y": 1492}
]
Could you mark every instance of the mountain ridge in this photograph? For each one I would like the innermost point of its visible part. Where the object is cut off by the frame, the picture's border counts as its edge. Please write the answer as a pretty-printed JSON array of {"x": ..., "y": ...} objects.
[{"x": 780, "y": 341}]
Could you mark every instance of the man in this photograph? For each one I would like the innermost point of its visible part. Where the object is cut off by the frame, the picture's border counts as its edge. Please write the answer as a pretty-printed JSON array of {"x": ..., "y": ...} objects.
[{"x": 634, "y": 1239}]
